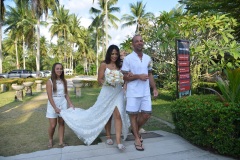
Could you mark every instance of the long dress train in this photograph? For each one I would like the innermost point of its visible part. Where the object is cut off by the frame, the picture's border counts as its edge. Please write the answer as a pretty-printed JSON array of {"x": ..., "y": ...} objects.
[{"x": 87, "y": 124}]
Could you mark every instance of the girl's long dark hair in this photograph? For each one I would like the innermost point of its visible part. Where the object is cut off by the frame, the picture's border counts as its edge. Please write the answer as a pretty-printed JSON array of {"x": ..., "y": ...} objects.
[
  {"x": 54, "y": 78},
  {"x": 108, "y": 55}
]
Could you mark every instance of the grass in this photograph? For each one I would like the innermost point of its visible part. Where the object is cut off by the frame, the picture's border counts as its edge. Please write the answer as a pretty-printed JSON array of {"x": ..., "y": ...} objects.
[
  {"x": 23, "y": 127},
  {"x": 161, "y": 106}
]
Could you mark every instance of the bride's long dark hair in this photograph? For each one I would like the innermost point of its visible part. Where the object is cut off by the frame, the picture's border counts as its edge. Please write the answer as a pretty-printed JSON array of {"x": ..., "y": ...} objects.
[{"x": 108, "y": 55}]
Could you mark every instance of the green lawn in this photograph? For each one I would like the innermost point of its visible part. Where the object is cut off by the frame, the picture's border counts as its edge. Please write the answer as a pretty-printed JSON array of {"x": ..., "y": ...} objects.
[{"x": 23, "y": 127}]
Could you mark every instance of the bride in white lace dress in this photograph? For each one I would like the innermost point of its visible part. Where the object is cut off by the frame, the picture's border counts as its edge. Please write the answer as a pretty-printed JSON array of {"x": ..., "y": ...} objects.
[{"x": 87, "y": 124}]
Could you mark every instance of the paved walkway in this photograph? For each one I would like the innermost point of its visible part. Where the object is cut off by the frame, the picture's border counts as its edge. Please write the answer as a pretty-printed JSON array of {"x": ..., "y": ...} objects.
[{"x": 166, "y": 147}]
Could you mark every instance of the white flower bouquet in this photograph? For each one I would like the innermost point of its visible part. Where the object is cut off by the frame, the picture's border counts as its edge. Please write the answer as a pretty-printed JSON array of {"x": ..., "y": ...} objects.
[{"x": 112, "y": 78}]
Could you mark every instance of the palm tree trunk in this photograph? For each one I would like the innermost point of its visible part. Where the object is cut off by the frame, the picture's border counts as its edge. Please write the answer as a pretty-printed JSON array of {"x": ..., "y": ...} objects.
[
  {"x": 72, "y": 57},
  {"x": 1, "y": 57},
  {"x": 18, "y": 67},
  {"x": 38, "y": 46},
  {"x": 106, "y": 23},
  {"x": 97, "y": 52},
  {"x": 65, "y": 57},
  {"x": 24, "y": 53}
]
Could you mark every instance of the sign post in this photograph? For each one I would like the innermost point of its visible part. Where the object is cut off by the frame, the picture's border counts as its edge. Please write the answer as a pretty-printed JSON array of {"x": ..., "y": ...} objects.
[{"x": 183, "y": 68}]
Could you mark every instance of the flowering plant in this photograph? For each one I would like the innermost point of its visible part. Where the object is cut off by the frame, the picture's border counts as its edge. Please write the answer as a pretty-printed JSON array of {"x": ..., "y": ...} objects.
[{"x": 112, "y": 78}]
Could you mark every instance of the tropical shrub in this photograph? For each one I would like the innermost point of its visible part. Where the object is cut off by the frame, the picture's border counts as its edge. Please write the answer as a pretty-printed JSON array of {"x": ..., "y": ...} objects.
[
  {"x": 208, "y": 122},
  {"x": 230, "y": 87}
]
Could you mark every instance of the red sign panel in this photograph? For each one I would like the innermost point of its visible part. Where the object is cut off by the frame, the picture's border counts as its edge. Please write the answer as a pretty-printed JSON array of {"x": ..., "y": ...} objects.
[
  {"x": 183, "y": 57},
  {"x": 183, "y": 69},
  {"x": 183, "y": 63},
  {"x": 184, "y": 76},
  {"x": 184, "y": 82},
  {"x": 184, "y": 88}
]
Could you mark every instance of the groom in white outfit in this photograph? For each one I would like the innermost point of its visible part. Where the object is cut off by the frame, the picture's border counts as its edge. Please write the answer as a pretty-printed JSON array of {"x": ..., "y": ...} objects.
[{"x": 138, "y": 88}]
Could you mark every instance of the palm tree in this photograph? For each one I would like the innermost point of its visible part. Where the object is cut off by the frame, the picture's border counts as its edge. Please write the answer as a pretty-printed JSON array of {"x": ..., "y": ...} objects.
[
  {"x": 10, "y": 44},
  {"x": 61, "y": 23},
  {"x": 39, "y": 8},
  {"x": 97, "y": 31},
  {"x": 2, "y": 13},
  {"x": 138, "y": 16},
  {"x": 20, "y": 25},
  {"x": 105, "y": 15},
  {"x": 76, "y": 37}
]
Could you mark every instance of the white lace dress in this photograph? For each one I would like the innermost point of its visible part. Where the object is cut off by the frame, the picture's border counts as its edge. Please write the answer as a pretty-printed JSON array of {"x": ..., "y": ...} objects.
[
  {"x": 59, "y": 100},
  {"x": 87, "y": 124}
]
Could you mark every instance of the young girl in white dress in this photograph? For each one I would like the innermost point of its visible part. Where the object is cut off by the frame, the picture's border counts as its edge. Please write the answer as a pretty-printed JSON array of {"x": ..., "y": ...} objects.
[
  {"x": 87, "y": 124},
  {"x": 58, "y": 99}
]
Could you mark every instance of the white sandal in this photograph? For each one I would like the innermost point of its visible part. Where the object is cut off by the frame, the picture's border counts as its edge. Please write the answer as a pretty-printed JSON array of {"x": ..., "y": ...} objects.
[
  {"x": 121, "y": 147},
  {"x": 109, "y": 141}
]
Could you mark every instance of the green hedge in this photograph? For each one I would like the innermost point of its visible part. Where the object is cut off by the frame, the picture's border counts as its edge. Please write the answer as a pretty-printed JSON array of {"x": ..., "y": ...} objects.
[{"x": 207, "y": 122}]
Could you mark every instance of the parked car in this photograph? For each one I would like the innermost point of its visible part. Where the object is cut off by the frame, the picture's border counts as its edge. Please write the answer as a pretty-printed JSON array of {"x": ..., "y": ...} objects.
[
  {"x": 68, "y": 71},
  {"x": 19, "y": 73},
  {"x": 47, "y": 73},
  {"x": 42, "y": 74}
]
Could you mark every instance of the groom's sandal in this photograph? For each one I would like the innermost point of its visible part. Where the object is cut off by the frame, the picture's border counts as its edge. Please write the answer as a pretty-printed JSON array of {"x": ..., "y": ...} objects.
[{"x": 139, "y": 147}]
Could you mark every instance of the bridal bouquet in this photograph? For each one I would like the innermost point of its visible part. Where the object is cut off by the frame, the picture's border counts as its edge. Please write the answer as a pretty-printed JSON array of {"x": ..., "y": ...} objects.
[{"x": 112, "y": 78}]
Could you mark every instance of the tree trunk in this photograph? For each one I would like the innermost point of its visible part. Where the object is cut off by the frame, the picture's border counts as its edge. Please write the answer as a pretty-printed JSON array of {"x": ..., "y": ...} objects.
[
  {"x": 97, "y": 53},
  {"x": 24, "y": 53},
  {"x": 18, "y": 67},
  {"x": 1, "y": 57},
  {"x": 38, "y": 46},
  {"x": 106, "y": 24},
  {"x": 72, "y": 57}
]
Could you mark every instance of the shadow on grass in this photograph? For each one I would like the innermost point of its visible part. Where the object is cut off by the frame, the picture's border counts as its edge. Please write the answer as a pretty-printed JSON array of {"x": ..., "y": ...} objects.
[
  {"x": 24, "y": 129},
  {"x": 8, "y": 101}
]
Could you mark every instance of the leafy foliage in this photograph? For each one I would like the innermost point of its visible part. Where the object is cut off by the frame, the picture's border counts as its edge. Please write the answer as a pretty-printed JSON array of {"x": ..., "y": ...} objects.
[
  {"x": 207, "y": 122},
  {"x": 212, "y": 44},
  {"x": 215, "y": 7},
  {"x": 230, "y": 87}
]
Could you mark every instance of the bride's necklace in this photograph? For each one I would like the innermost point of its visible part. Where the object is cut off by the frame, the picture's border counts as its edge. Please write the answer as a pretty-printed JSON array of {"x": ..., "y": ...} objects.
[{"x": 113, "y": 66}]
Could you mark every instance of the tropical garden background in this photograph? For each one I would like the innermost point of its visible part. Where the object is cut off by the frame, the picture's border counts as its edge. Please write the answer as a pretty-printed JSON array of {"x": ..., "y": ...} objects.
[
  {"x": 212, "y": 27},
  {"x": 213, "y": 31}
]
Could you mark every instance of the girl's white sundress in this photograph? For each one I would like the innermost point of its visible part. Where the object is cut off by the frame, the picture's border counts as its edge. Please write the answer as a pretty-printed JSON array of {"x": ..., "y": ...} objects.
[
  {"x": 87, "y": 124},
  {"x": 58, "y": 98}
]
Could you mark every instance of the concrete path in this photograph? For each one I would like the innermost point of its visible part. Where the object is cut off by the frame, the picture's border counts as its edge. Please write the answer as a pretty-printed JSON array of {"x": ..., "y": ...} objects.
[{"x": 168, "y": 147}]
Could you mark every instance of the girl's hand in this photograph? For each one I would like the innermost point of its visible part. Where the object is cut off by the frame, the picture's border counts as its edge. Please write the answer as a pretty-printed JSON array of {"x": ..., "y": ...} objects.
[
  {"x": 57, "y": 110},
  {"x": 71, "y": 105}
]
